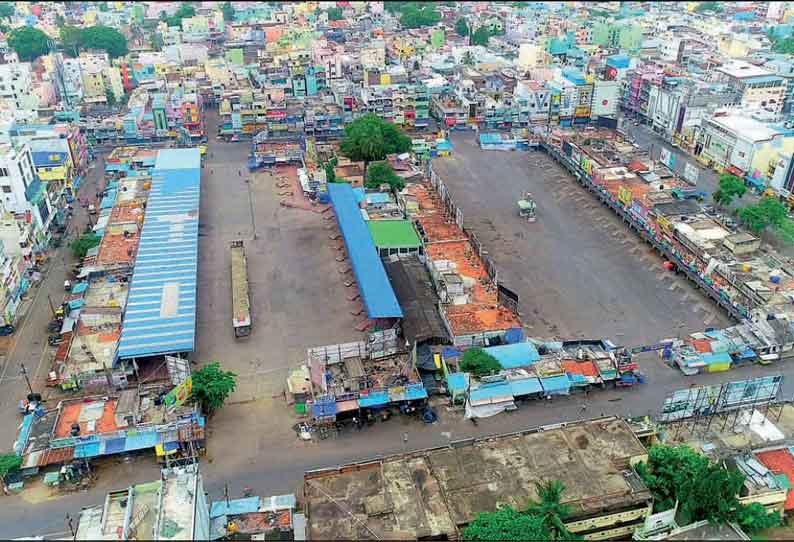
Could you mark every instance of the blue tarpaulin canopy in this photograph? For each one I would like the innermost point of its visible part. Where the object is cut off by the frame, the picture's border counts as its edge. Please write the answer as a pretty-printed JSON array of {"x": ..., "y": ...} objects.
[
  {"x": 374, "y": 399},
  {"x": 376, "y": 290},
  {"x": 80, "y": 287},
  {"x": 515, "y": 355},
  {"x": 556, "y": 385},
  {"x": 235, "y": 507},
  {"x": 525, "y": 386}
]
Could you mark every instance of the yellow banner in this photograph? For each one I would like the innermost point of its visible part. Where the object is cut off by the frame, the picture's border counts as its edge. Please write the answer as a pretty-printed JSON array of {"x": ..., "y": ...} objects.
[{"x": 624, "y": 196}]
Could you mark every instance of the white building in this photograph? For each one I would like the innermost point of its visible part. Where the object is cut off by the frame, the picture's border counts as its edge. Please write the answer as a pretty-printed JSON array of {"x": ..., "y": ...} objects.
[
  {"x": 72, "y": 79},
  {"x": 16, "y": 85},
  {"x": 22, "y": 193}
]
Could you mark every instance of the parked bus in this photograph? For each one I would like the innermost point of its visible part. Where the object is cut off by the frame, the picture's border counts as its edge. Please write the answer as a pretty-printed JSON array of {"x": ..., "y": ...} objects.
[{"x": 241, "y": 305}]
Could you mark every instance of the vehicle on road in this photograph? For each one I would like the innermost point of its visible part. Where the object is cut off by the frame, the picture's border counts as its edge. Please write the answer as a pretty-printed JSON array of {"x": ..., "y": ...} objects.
[
  {"x": 690, "y": 193},
  {"x": 527, "y": 207},
  {"x": 241, "y": 304}
]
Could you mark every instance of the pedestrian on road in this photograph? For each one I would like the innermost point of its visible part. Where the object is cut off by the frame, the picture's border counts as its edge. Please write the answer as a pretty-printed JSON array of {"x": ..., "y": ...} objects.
[{"x": 582, "y": 408}]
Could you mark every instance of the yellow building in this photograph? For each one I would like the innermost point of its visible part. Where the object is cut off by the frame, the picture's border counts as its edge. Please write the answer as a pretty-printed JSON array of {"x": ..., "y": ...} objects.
[
  {"x": 93, "y": 84},
  {"x": 112, "y": 77},
  {"x": 53, "y": 166}
]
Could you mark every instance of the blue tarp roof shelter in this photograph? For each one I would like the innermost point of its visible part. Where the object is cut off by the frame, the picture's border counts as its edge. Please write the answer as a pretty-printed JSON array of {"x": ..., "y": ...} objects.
[
  {"x": 48, "y": 159},
  {"x": 556, "y": 385},
  {"x": 457, "y": 382},
  {"x": 235, "y": 507},
  {"x": 374, "y": 399},
  {"x": 489, "y": 392},
  {"x": 716, "y": 358},
  {"x": 525, "y": 386},
  {"x": 160, "y": 317},
  {"x": 515, "y": 355},
  {"x": 376, "y": 290}
]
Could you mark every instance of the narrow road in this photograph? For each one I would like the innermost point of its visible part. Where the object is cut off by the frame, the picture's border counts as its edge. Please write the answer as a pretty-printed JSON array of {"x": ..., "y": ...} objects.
[{"x": 29, "y": 343}]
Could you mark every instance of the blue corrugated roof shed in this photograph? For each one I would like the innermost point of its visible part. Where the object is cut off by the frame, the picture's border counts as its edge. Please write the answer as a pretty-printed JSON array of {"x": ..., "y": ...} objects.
[
  {"x": 161, "y": 307},
  {"x": 556, "y": 385},
  {"x": 377, "y": 398},
  {"x": 525, "y": 386},
  {"x": 376, "y": 290},
  {"x": 716, "y": 358},
  {"x": 47, "y": 158},
  {"x": 235, "y": 507},
  {"x": 514, "y": 355},
  {"x": 499, "y": 390},
  {"x": 457, "y": 382}
]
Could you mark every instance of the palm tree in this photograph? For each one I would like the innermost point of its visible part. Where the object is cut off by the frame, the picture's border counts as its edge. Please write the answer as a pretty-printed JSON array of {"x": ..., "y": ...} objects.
[{"x": 551, "y": 509}]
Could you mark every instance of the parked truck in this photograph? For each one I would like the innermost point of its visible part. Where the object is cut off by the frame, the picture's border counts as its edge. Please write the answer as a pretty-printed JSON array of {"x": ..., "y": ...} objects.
[{"x": 241, "y": 304}]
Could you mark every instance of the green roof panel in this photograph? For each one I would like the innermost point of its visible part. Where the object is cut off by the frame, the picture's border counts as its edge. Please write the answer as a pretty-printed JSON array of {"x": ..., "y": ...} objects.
[{"x": 393, "y": 234}]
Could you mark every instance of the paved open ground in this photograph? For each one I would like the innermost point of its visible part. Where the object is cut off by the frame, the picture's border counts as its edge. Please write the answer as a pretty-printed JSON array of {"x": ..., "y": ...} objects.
[
  {"x": 298, "y": 301},
  {"x": 578, "y": 270}
]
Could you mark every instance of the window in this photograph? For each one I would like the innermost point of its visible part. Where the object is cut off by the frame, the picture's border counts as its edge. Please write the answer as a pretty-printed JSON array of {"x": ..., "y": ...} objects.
[
  {"x": 6, "y": 189},
  {"x": 3, "y": 172}
]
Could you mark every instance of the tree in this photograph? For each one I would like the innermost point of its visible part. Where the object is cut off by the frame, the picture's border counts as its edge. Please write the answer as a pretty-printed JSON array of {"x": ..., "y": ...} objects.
[
  {"x": 704, "y": 490},
  {"x": 71, "y": 38},
  {"x": 212, "y": 386},
  {"x": 185, "y": 10},
  {"x": 335, "y": 14},
  {"x": 418, "y": 15},
  {"x": 785, "y": 231},
  {"x": 156, "y": 41},
  {"x": 110, "y": 96},
  {"x": 754, "y": 518},
  {"x": 81, "y": 246},
  {"x": 767, "y": 212},
  {"x": 60, "y": 21},
  {"x": 9, "y": 463},
  {"x": 461, "y": 27},
  {"x": 380, "y": 173},
  {"x": 712, "y": 7},
  {"x": 228, "y": 11},
  {"x": 481, "y": 36},
  {"x": 479, "y": 362},
  {"x": 506, "y": 524},
  {"x": 105, "y": 38},
  {"x": 730, "y": 186},
  {"x": 103, "y": 6},
  {"x": 550, "y": 509},
  {"x": 7, "y": 10},
  {"x": 370, "y": 138},
  {"x": 29, "y": 43},
  {"x": 468, "y": 58}
]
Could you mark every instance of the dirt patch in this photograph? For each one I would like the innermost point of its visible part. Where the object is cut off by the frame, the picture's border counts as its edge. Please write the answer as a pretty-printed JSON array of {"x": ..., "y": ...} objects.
[{"x": 582, "y": 442}]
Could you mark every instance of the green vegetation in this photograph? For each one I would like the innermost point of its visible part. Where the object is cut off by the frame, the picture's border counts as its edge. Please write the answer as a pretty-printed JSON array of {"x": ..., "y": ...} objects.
[
  {"x": 479, "y": 362},
  {"x": 767, "y": 212},
  {"x": 419, "y": 16},
  {"x": 81, "y": 246},
  {"x": 784, "y": 46},
  {"x": 110, "y": 40},
  {"x": 379, "y": 173},
  {"x": 468, "y": 58},
  {"x": 110, "y": 96},
  {"x": 29, "y": 43},
  {"x": 731, "y": 187},
  {"x": 7, "y": 10},
  {"x": 335, "y": 14},
  {"x": 212, "y": 386},
  {"x": 60, "y": 21},
  {"x": 185, "y": 10},
  {"x": 703, "y": 489},
  {"x": 505, "y": 524},
  {"x": 543, "y": 519},
  {"x": 228, "y": 11},
  {"x": 370, "y": 138},
  {"x": 9, "y": 463},
  {"x": 481, "y": 36},
  {"x": 708, "y": 7},
  {"x": 461, "y": 27},
  {"x": 329, "y": 166}
]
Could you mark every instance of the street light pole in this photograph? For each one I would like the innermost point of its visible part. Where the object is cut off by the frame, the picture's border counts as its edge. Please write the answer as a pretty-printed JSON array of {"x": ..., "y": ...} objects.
[{"x": 24, "y": 372}]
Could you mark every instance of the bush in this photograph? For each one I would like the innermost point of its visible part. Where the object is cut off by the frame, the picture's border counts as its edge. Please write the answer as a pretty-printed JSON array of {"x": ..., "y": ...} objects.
[
  {"x": 379, "y": 173},
  {"x": 479, "y": 362}
]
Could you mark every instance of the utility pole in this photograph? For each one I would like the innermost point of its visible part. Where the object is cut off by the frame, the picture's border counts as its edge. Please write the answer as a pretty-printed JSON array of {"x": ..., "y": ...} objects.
[{"x": 24, "y": 372}]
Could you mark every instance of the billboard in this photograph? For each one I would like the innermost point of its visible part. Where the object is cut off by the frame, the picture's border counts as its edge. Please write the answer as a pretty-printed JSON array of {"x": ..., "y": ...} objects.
[
  {"x": 721, "y": 398},
  {"x": 180, "y": 394},
  {"x": 667, "y": 158}
]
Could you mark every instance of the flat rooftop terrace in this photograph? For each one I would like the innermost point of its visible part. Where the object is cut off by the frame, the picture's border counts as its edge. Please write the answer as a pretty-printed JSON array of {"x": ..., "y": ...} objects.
[{"x": 437, "y": 491}]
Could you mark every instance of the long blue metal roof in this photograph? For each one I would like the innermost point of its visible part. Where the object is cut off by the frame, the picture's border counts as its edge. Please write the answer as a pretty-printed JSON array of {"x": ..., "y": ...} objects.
[
  {"x": 376, "y": 290},
  {"x": 160, "y": 316}
]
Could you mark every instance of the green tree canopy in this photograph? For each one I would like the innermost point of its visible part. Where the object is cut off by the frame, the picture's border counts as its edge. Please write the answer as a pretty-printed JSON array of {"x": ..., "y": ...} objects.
[
  {"x": 730, "y": 187},
  {"x": 29, "y": 43},
  {"x": 185, "y": 10},
  {"x": 60, "y": 21},
  {"x": 370, "y": 138},
  {"x": 335, "y": 14},
  {"x": 479, "y": 362},
  {"x": 461, "y": 27},
  {"x": 9, "y": 463},
  {"x": 110, "y": 96},
  {"x": 212, "y": 386},
  {"x": 784, "y": 46},
  {"x": 468, "y": 58},
  {"x": 505, "y": 524},
  {"x": 7, "y": 10},
  {"x": 550, "y": 509},
  {"x": 767, "y": 212},
  {"x": 785, "y": 231},
  {"x": 713, "y": 7},
  {"x": 70, "y": 37},
  {"x": 379, "y": 173},
  {"x": 81, "y": 246},
  {"x": 481, "y": 36},
  {"x": 419, "y": 15},
  {"x": 228, "y": 11},
  {"x": 105, "y": 38}
]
